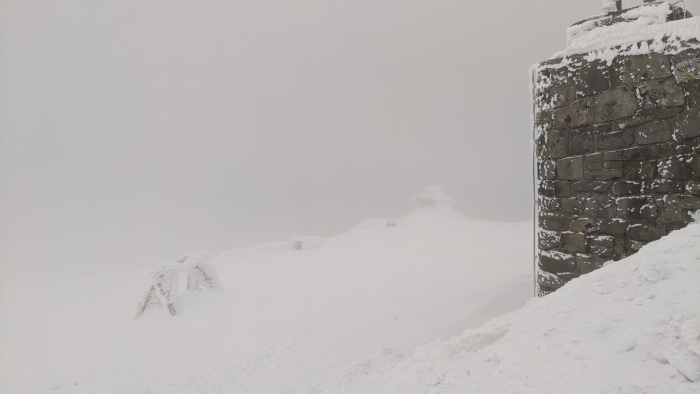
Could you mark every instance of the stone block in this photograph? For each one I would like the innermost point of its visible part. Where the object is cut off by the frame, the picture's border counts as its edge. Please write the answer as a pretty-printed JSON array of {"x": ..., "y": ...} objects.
[
  {"x": 686, "y": 66},
  {"x": 602, "y": 251},
  {"x": 554, "y": 188},
  {"x": 547, "y": 283},
  {"x": 571, "y": 205},
  {"x": 583, "y": 225},
  {"x": 617, "y": 140},
  {"x": 623, "y": 188},
  {"x": 692, "y": 93},
  {"x": 581, "y": 143},
  {"x": 553, "y": 145},
  {"x": 590, "y": 186},
  {"x": 612, "y": 164},
  {"x": 663, "y": 113},
  {"x": 692, "y": 164},
  {"x": 603, "y": 174},
  {"x": 600, "y": 206},
  {"x": 544, "y": 121},
  {"x": 554, "y": 221},
  {"x": 663, "y": 150},
  {"x": 693, "y": 187},
  {"x": 616, "y": 227},
  {"x": 592, "y": 80},
  {"x": 637, "y": 153},
  {"x": 631, "y": 70},
  {"x": 577, "y": 114},
  {"x": 602, "y": 240},
  {"x": 548, "y": 239},
  {"x": 687, "y": 124},
  {"x": 662, "y": 186},
  {"x": 645, "y": 230},
  {"x": 637, "y": 208},
  {"x": 661, "y": 93},
  {"x": 570, "y": 168},
  {"x": 672, "y": 168},
  {"x": 676, "y": 207},
  {"x": 588, "y": 263},
  {"x": 614, "y": 104},
  {"x": 554, "y": 262},
  {"x": 559, "y": 96},
  {"x": 573, "y": 242},
  {"x": 653, "y": 132},
  {"x": 673, "y": 226},
  {"x": 640, "y": 170},
  {"x": 549, "y": 204},
  {"x": 545, "y": 169}
]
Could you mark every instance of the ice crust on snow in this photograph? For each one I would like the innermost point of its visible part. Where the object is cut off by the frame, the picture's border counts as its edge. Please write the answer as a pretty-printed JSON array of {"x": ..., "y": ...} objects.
[{"x": 632, "y": 326}]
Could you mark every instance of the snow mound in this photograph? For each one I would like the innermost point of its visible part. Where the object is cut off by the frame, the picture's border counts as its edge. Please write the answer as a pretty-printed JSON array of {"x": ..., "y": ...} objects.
[
  {"x": 632, "y": 326},
  {"x": 640, "y": 30}
]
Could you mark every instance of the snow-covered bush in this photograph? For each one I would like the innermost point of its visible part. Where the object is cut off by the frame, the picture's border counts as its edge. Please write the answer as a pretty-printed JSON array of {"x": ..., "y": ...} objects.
[{"x": 165, "y": 277}]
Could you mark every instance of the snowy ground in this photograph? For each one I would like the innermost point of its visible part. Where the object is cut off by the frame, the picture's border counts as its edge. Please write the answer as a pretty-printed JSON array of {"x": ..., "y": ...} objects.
[
  {"x": 631, "y": 327},
  {"x": 285, "y": 321}
]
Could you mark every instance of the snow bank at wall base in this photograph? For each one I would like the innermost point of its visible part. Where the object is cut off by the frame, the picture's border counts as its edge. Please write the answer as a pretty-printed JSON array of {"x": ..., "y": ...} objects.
[{"x": 632, "y": 326}]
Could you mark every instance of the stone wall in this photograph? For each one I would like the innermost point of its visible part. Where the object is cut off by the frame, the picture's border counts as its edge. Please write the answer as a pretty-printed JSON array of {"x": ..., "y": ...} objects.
[{"x": 617, "y": 157}]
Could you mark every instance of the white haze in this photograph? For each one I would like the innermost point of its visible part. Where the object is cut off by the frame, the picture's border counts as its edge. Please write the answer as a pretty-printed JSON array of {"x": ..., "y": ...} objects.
[{"x": 135, "y": 131}]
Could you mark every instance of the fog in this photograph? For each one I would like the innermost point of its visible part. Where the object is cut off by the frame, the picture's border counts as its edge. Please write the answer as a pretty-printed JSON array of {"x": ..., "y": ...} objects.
[{"x": 133, "y": 132}]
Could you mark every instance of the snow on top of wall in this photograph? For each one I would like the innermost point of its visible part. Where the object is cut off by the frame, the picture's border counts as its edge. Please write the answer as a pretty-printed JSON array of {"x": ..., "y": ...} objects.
[
  {"x": 641, "y": 30},
  {"x": 632, "y": 326}
]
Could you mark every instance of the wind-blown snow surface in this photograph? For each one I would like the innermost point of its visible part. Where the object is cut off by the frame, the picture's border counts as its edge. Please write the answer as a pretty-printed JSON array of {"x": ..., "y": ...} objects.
[
  {"x": 631, "y": 327},
  {"x": 285, "y": 319}
]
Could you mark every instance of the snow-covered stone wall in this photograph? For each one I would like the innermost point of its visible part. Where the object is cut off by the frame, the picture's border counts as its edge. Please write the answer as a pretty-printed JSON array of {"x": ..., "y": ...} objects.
[{"x": 617, "y": 146}]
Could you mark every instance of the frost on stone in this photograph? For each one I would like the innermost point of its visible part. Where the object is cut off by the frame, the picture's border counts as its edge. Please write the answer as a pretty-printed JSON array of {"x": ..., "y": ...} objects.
[{"x": 165, "y": 278}]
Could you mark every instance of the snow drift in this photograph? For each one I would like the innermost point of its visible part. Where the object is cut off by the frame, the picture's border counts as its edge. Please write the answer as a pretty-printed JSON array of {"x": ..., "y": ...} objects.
[
  {"x": 285, "y": 317},
  {"x": 632, "y": 326}
]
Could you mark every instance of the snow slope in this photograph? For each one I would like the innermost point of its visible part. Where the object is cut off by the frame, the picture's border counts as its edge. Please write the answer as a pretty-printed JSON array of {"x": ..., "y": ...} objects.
[
  {"x": 286, "y": 317},
  {"x": 631, "y": 327}
]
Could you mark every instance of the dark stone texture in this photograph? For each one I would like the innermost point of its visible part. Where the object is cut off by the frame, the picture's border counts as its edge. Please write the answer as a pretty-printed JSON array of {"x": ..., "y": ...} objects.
[
  {"x": 693, "y": 187},
  {"x": 615, "y": 227},
  {"x": 686, "y": 66},
  {"x": 577, "y": 114},
  {"x": 549, "y": 204},
  {"x": 618, "y": 152},
  {"x": 583, "y": 225},
  {"x": 618, "y": 140},
  {"x": 554, "y": 221},
  {"x": 653, "y": 132},
  {"x": 600, "y": 206},
  {"x": 676, "y": 207},
  {"x": 622, "y": 188},
  {"x": 555, "y": 145},
  {"x": 557, "y": 262},
  {"x": 559, "y": 96},
  {"x": 645, "y": 230},
  {"x": 573, "y": 242},
  {"x": 637, "y": 208},
  {"x": 588, "y": 263},
  {"x": 571, "y": 205},
  {"x": 661, "y": 93},
  {"x": 548, "y": 239},
  {"x": 570, "y": 168},
  {"x": 615, "y": 104},
  {"x": 592, "y": 80},
  {"x": 662, "y": 186},
  {"x": 631, "y": 70},
  {"x": 672, "y": 168},
  {"x": 545, "y": 169},
  {"x": 590, "y": 186},
  {"x": 687, "y": 124}
]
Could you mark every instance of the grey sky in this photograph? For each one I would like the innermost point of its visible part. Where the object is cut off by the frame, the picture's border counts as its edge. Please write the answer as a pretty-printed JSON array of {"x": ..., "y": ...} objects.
[{"x": 136, "y": 131}]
